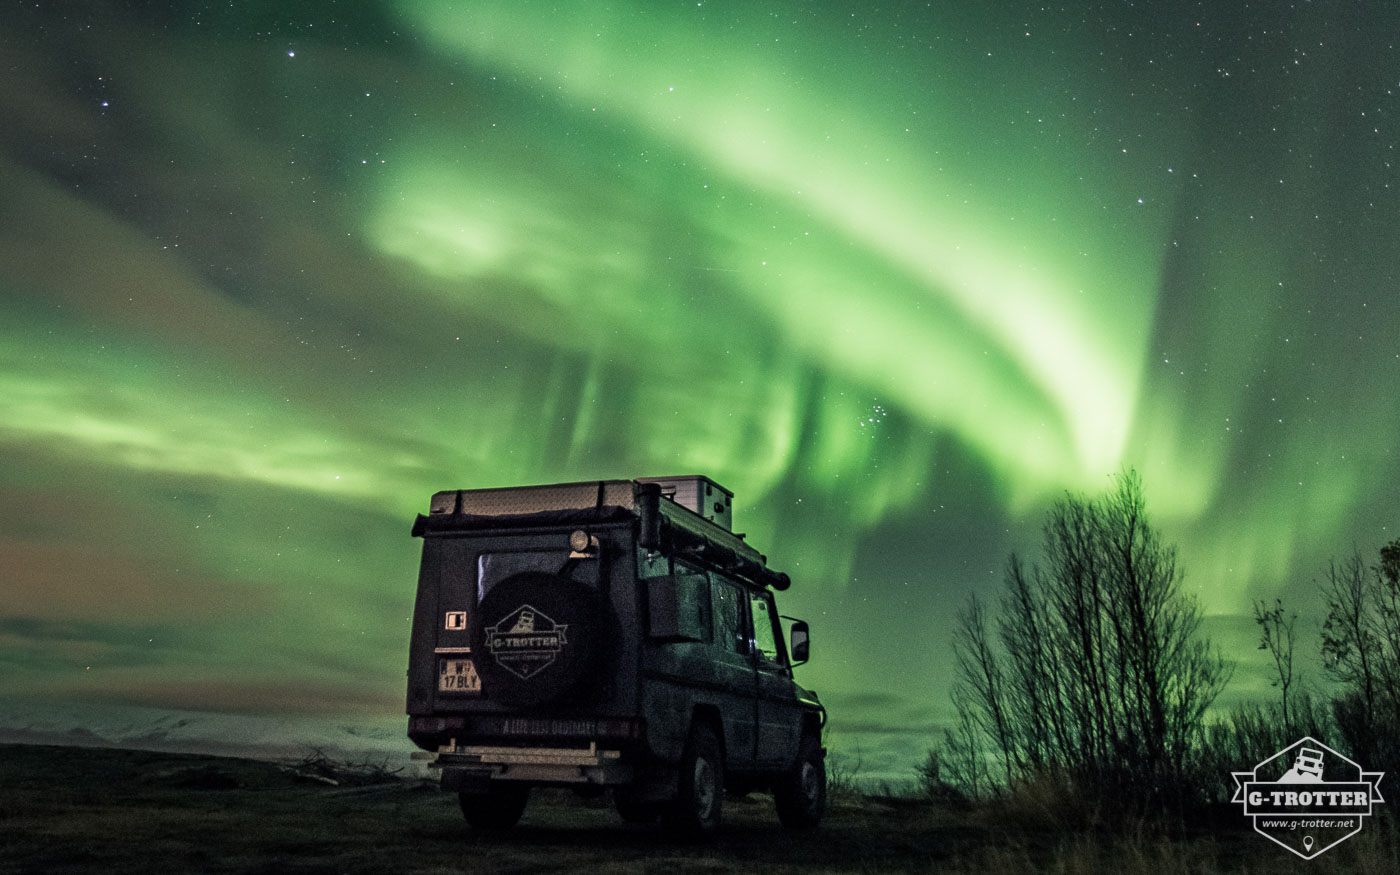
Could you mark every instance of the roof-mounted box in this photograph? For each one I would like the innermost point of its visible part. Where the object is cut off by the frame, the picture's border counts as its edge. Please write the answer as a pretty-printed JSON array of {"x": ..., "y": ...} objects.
[{"x": 700, "y": 494}]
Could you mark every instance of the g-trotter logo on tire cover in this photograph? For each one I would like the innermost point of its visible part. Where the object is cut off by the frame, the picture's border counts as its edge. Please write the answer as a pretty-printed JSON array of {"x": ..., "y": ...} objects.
[
  {"x": 1307, "y": 797},
  {"x": 525, "y": 641}
]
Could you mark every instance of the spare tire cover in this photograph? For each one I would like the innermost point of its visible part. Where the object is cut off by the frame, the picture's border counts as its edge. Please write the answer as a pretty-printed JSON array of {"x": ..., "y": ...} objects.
[{"x": 537, "y": 638}]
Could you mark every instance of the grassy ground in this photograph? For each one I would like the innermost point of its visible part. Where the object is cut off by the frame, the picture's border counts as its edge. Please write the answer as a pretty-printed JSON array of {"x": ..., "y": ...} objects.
[{"x": 114, "y": 811}]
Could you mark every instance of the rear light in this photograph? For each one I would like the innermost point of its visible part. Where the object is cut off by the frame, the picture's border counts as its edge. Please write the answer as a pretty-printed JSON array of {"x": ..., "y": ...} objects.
[
  {"x": 617, "y": 728},
  {"x": 435, "y": 724}
]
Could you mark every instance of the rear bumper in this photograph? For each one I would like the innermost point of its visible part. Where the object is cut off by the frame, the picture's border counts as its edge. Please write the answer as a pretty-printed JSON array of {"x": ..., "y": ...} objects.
[{"x": 473, "y": 767}]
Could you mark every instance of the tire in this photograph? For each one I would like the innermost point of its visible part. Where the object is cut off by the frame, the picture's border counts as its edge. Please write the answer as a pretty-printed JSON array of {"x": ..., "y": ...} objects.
[
  {"x": 800, "y": 794},
  {"x": 699, "y": 805},
  {"x": 634, "y": 810},
  {"x": 496, "y": 810},
  {"x": 537, "y": 637}
]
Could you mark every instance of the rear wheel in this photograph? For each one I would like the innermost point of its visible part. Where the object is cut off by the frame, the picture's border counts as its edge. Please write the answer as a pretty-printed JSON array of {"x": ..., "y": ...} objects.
[
  {"x": 699, "y": 805},
  {"x": 800, "y": 794},
  {"x": 499, "y": 808}
]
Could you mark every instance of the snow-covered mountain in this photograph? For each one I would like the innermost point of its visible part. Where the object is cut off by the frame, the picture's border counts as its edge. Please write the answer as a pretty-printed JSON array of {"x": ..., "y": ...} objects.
[{"x": 359, "y": 738}]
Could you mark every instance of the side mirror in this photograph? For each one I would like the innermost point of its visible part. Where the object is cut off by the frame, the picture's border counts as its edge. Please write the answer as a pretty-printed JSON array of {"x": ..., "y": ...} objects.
[{"x": 801, "y": 642}]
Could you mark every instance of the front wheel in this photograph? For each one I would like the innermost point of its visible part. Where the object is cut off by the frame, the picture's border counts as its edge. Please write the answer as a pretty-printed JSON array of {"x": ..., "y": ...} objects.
[
  {"x": 800, "y": 794},
  {"x": 498, "y": 809},
  {"x": 699, "y": 805}
]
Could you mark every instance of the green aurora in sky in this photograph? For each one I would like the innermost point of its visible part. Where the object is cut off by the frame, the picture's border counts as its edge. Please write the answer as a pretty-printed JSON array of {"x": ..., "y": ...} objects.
[{"x": 271, "y": 274}]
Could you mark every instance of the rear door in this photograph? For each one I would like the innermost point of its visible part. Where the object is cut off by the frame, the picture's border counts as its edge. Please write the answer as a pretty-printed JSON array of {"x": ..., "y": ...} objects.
[{"x": 459, "y": 572}]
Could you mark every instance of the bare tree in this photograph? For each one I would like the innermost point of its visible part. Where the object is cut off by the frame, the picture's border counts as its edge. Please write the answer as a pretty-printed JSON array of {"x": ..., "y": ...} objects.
[
  {"x": 1032, "y": 689},
  {"x": 1276, "y": 636},
  {"x": 1361, "y": 650},
  {"x": 1348, "y": 644},
  {"x": 1100, "y": 674},
  {"x": 963, "y": 758},
  {"x": 981, "y": 681}
]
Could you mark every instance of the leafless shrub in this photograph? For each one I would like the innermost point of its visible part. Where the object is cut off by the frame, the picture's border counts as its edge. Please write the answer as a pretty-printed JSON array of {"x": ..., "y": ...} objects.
[
  {"x": 842, "y": 776},
  {"x": 318, "y": 767}
]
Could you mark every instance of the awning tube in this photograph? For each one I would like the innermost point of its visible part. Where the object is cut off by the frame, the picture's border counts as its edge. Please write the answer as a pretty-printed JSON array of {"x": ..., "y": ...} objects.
[{"x": 649, "y": 512}]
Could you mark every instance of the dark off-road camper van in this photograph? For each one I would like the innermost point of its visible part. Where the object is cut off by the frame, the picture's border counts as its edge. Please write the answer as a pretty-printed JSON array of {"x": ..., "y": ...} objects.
[{"x": 608, "y": 635}]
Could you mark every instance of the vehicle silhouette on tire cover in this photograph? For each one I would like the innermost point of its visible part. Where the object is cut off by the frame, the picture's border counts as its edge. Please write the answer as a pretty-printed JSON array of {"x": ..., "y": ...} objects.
[{"x": 614, "y": 637}]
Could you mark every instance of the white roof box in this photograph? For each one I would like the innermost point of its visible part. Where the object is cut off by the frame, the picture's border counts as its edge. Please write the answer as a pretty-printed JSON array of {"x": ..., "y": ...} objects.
[{"x": 700, "y": 494}]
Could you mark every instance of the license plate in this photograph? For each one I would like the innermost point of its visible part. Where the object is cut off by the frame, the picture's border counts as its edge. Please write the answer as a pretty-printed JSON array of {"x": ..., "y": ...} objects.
[{"x": 458, "y": 676}]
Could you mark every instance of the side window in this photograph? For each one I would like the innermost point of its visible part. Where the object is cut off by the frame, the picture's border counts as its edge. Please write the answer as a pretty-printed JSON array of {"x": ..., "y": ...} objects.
[
  {"x": 765, "y": 634},
  {"x": 729, "y": 625},
  {"x": 693, "y": 591}
]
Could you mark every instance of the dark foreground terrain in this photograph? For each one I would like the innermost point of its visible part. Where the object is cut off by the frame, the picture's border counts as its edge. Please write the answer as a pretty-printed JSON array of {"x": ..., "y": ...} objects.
[{"x": 68, "y": 809}]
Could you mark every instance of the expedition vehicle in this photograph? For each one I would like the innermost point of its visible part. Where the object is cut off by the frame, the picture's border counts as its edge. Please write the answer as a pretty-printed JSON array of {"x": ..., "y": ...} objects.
[{"x": 608, "y": 635}]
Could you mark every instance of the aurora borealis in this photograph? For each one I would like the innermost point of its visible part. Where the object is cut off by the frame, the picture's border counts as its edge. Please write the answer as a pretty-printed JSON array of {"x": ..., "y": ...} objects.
[{"x": 271, "y": 274}]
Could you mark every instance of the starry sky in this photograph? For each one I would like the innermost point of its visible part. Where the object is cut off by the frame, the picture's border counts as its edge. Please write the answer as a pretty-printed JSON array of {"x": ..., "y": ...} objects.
[{"x": 273, "y": 273}]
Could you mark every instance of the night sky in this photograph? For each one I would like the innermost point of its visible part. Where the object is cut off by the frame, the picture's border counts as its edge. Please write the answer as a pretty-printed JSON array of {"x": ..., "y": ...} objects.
[{"x": 273, "y": 273}]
